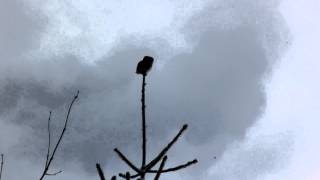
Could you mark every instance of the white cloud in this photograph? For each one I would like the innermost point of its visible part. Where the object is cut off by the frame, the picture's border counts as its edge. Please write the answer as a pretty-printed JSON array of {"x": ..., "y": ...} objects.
[
  {"x": 92, "y": 28},
  {"x": 292, "y": 106}
]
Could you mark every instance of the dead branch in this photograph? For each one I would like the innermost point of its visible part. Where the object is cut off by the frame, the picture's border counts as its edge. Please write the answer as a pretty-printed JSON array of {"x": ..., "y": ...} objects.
[
  {"x": 167, "y": 170},
  {"x": 1, "y": 166},
  {"x": 166, "y": 149},
  {"x": 127, "y": 161},
  {"x": 175, "y": 168},
  {"x": 49, "y": 156},
  {"x": 163, "y": 162},
  {"x": 128, "y": 176},
  {"x": 49, "y": 139},
  {"x": 143, "y": 111},
  {"x": 100, "y": 172},
  {"x": 53, "y": 174}
]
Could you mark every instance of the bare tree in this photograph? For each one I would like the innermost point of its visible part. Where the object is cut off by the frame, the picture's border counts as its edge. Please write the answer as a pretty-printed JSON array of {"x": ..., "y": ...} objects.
[
  {"x": 51, "y": 152},
  {"x": 143, "y": 68}
]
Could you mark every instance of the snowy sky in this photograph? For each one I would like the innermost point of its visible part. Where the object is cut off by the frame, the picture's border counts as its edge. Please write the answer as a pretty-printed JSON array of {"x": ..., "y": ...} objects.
[{"x": 243, "y": 75}]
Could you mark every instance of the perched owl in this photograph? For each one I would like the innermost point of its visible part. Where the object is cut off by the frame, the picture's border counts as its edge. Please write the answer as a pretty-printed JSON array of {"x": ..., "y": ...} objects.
[{"x": 144, "y": 65}]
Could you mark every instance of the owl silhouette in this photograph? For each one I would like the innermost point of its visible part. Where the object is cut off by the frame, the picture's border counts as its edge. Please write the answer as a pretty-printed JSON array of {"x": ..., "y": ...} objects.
[{"x": 144, "y": 65}]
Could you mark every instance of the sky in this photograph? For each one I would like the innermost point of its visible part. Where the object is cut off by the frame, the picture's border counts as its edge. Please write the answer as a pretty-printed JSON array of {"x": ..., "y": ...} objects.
[{"x": 242, "y": 74}]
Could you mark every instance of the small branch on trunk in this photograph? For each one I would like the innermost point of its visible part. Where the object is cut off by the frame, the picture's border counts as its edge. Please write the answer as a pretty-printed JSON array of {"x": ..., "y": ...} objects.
[
  {"x": 53, "y": 174},
  {"x": 166, "y": 170}
]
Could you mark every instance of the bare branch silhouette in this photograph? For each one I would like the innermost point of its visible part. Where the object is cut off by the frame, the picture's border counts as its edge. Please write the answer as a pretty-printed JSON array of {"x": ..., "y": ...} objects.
[
  {"x": 127, "y": 161},
  {"x": 169, "y": 169},
  {"x": 49, "y": 139},
  {"x": 143, "y": 110},
  {"x": 51, "y": 156},
  {"x": 163, "y": 162},
  {"x": 100, "y": 172},
  {"x": 128, "y": 176},
  {"x": 175, "y": 168},
  {"x": 53, "y": 174},
  {"x": 166, "y": 149},
  {"x": 1, "y": 166}
]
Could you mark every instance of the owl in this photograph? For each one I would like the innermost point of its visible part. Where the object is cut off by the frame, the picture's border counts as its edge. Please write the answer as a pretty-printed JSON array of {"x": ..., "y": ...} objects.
[{"x": 144, "y": 65}]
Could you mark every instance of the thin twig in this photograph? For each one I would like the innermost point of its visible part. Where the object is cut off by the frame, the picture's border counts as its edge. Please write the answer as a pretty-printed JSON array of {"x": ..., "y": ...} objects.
[
  {"x": 53, "y": 174},
  {"x": 49, "y": 139},
  {"x": 2, "y": 164},
  {"x": 60, "y": 138},
  {"x": 124, "y": 176},
  {"x": 166, "y": 170},
  {"x": 175, "y": 168},
  {"x": 166, "y": 149},
  {"x": 127, "y": 161},
  {"x": 100, "y": 172},
  {"x": 163, "y": 162}
]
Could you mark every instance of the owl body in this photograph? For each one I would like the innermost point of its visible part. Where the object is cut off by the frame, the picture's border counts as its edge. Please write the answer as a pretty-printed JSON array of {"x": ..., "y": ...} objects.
[{"x": 144, "y": 65}]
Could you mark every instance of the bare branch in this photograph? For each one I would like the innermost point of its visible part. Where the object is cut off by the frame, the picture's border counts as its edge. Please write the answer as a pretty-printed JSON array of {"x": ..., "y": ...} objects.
[
  {"x": 166, "y": 149},
  {"x": 49, "y": 139},
  {"x": 163, "y": 162},
  {"x": 1, "y": 166},
  {"x": 48, "y": 163},
  {"x": 128, "y": 176},
  {"x": 143, "y": 111},
  {"x": 100, "y": 172},
  {"x": 127, "y": 161},
  {"x": 53, "y": 174},
  {"x": 166, "y": 170},
  {"x": 175, "y": 168},
  {"x": 124, "y": 176}
]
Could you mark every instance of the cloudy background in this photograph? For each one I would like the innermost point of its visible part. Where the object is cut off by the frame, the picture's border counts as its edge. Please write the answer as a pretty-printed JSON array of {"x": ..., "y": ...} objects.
[{"x": 242, "y": 74}]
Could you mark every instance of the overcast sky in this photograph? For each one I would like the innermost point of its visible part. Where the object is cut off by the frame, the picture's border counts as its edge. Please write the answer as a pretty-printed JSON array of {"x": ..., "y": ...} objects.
[{"x": 243, "y": 75}]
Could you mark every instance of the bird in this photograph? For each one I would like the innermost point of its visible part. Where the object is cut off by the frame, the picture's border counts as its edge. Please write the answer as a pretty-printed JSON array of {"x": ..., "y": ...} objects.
[{"x": 144, "y": 65}]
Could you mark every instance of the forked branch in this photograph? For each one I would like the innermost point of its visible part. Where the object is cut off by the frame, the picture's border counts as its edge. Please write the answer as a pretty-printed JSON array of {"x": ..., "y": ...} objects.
[
  {"x": 166, "y": 149},
  {"x": 50, "y": 155}
]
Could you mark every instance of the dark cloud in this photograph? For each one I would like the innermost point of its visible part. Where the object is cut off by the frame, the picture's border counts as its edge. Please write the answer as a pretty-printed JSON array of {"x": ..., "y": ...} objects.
[{"x": 216, "y": 88}]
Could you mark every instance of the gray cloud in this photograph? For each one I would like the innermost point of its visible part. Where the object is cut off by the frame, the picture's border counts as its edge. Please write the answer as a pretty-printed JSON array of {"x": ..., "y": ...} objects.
[
  {"x": 216, "y": 87},
  {"x": 21, "y": 29}
]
